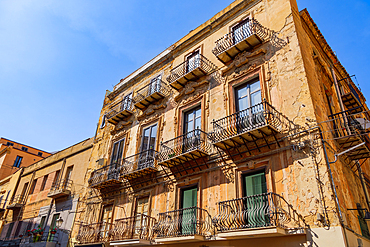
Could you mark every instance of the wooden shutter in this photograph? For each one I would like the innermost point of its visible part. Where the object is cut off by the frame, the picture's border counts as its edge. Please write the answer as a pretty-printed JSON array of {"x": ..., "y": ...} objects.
[{"x": 255, "y": 184}]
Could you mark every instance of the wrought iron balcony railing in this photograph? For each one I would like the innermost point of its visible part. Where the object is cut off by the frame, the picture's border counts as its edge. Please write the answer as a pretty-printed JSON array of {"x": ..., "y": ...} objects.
[
  {"x": 189, "y": 146},
  {"x": 154, "y": 91},
  {"x": 139, "y": 164},
  {"x": 60, "y": 188},
  {"x": 190, "y": 70},
  {"x": 251, "y": 34},
  {"x": 120, "y": 110},
  {"x": 184, "y": 222},
  {"x": 16, "y": 201},
  {"x": 94, "y": 233},
  {"x": 258, "y": 211},
  {"x": 227, "y": 131},
  {"x": 350, "y": 97},
  {"x": 106, "y": 176},
  {"x": 136, "y": 227}
]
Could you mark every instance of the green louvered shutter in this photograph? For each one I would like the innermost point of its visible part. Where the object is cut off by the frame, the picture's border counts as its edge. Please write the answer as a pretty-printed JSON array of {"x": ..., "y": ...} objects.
[{"x": 189, "y": 215}]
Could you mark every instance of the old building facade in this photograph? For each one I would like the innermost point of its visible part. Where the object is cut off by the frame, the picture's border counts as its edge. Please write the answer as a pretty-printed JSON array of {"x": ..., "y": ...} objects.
[{"x": 246, "y": 131}]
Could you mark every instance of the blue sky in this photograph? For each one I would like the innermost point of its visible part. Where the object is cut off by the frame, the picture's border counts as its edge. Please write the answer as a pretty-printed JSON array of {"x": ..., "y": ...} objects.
[{"x": 58, "y": 57}]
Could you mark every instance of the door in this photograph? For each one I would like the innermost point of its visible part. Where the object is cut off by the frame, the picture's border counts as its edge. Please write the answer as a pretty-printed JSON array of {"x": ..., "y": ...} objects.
[
  {"x": 117, "y": 153},
  {"x": 68, "y": 177},
  {"x": 106, "y": 220},
  {"x": 146, "y": 157},
  {"x": 241, "y": 31},
  {"x": 256, "y": 200},
  {"x": 192, "y": 127},
  {"x": 141, "y": 222},
  {"x": 126, "y": 105},
  {"x": 192, "y": 61},
  {"x": 188, "y": 216},
  {"x": 51, "y": 236},
  {"x": 155, "y": 85},
  {"x": 22, "y": 196}
]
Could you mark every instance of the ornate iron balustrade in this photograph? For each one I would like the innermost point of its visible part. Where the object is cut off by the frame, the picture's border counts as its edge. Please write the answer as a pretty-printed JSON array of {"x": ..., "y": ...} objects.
[
  {"x": 181, "y": 71},
  {"x": 16, "y": 200},
  {"x": 184, "y": 222},
  {"x": 154, "y": 91},
  {"x": 120, "y": 110},
  {"x": 264, "y": 210},
  {"x": 140, "y": 163},
  {"x": 106, "y": 175},
  {"x": 192, "y": 144},
  {"x": 255, "y": 117},
  {"x": 253, "y": 27},
  {"x": 94, "y": 233},
  {"x": 61, "y": 185},
  {"x": 136, "y": 227}
]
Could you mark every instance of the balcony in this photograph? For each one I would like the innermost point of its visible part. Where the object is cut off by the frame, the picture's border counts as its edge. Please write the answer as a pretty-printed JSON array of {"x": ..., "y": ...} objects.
[
  {"x": 350, "y": 98},
  {"x": 139, "y": 165},
  {"x": 107, "y": 176},
  {"x": 94, "y": 233},
  {"x": 262, "y": 215},
  {"x": 250, "y": 35},
  {"x": 16, "y": 202},
  {"x": 190, "y": 71},
  {"x": 60, "y": 189},
  {"x": 183, "y": 225},
  {"x": 185, "y": 148},
  {"x": 120, "y": 111},
  {"x": 349, "y": 131},
  {"x": 136, "y": 230},
  {"x": 247, "y": 126},
  {"x": 154, "y": 91}
]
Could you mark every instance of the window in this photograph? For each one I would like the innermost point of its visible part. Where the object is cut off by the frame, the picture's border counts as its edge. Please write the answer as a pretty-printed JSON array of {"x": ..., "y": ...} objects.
[
  {"x": 146, "y": 158},
  {"x": 255, "y": 184},
  {"x": 24, "y": 190},
  {"x": 362, "y": 222},
  {"x": 117, "y": 152},
  {"x": 241, "y": 31},
  {"x": 10, "y": 229},
  {"x": 142, "y": 208},
  {"x": 192, "y": 61},
  {"x": 39, "y": 154},
  {"x": 44, "y": 182},
  {"x": 56, "y": 178},
  {"x": 192, "y": 126},
  {"x": 53, "y": 225},
  {"x": 9, "y": 144},
  {"x": 248, "y": 95},
  {"x": 106, "y": 219},
  {"x": 189, "y": 212},
  {"x": 103, "y": 121},
  {"x": 155, "y": 85},
  {"x": 68, "y": 173},
  {"x": 127, "y": 100},
  {"x": 42, "y": 222},
  {"x": 18, "y": 161},
  {"x": 33, "y": 186},
  {"x": 25, "y": 149}
]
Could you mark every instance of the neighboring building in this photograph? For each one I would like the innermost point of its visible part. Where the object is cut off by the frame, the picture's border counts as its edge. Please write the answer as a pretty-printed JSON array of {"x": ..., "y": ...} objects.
[
  {"x": 227, "y": 138},
  {"x": 14, "y": 155},
  {"x": 45, "y": 192}
]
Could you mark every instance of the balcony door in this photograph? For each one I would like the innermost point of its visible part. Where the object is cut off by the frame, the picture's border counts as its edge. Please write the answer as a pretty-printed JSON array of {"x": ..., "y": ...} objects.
[
  {"x": 67, "y": 177},
  {"x": 53, "y": 225},
  {"x": 127, "y": 100},
  {"x": 155, "y": 85},
  {"x": 106, "y": 221},
  {"x": 117, "y": 153},
  {"x": 146, "y": 157},
  {"x": 255, "y": 201},
  {"x": 192, "y": 61},
  {"x": 141, "y": 222},
  {"x": 188, "y": 216},
  {"x": 241, "y": 31},
  {"x": 192, "y": 127}
]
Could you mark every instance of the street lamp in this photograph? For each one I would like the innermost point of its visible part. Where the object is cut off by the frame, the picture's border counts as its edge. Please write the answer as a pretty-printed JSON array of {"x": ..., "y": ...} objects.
[{"x": 59, "y": 222}]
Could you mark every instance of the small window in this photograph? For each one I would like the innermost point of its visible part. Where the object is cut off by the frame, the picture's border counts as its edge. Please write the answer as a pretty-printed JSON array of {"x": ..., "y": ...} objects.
[
  {"x": 248, "y": 95},
  {"x": 33, "y": 186},
  {"x": 9, "y": 144},
  {"x": 44, "y": 182},
  {"x": 18, "y": 161},
  {"x": 25, "y": 149},
  {"x": 103, "y": 122},
  {"x": 42, "y": 222},
  {"x": 39, "y": 154}
]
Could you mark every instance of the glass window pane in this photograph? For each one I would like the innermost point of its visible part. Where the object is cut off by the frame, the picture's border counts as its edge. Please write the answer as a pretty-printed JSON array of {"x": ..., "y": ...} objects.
[
  {"x": 198, "y": 123},
  {"x": 256, "y": 98},
  {"x": 255, "y": 86},
  {"x": 198, "y": 113},
  {"x": 243, "y": 104},
  {"x": 242, "y": 92}
]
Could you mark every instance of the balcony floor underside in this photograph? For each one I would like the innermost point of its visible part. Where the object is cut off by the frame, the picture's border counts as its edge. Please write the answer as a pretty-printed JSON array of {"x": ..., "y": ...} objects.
[
  {"x": 106, "y": 184},
  {"x": 192, "y": 75},
  {"x": 139, "y": 173},
  {"x": 145, "y": 102},
  {"x": 361, "y": 152},
  {"x": 352, "y": 103},
  {"x": 234, "y": 139},
  {"x": 59, "y": 193},
  {"x": 120, "y": 116},
  {"x": 185, "y": 157},
  {"x": 244, "y": 45},
  {"x": 130, "y": 242},
  {"x": 258, "y": 233}
]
